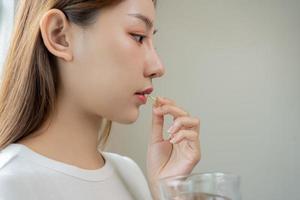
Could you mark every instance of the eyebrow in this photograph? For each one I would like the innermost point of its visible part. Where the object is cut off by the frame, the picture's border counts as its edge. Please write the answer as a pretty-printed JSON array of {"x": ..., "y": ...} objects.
[{"x": 146, "y": 20}]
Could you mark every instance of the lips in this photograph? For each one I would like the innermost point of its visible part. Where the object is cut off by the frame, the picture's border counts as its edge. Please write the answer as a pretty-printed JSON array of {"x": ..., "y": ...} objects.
[
  {"x": 146, "y": 91},
  {"x": 141, "y": 94},
  {"x": 142, "y": 98}
]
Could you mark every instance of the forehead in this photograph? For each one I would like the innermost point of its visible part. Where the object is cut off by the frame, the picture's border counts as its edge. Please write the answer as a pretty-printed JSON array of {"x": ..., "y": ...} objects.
[{"x": 144, "y": 7}]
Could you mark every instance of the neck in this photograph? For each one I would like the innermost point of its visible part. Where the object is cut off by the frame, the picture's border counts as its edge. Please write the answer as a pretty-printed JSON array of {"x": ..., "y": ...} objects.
[{"x": 69, "y": 136}]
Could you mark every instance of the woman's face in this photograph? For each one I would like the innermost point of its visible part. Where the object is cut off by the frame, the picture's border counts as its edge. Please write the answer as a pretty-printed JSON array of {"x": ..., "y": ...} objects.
[{"x": 111, "y": 62}]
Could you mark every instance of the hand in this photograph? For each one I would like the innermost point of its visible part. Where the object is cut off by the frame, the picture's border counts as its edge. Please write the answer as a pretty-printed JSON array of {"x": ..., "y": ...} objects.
[{"x": 177, "y": 155}]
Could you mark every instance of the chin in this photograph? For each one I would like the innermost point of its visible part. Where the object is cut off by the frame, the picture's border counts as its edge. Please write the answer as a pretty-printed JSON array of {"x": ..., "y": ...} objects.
[{"x": 128, "y": 119}]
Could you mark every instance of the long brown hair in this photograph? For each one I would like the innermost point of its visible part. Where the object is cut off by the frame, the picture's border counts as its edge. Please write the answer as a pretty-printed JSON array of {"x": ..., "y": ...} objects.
[{"x": 30, "y": 76}]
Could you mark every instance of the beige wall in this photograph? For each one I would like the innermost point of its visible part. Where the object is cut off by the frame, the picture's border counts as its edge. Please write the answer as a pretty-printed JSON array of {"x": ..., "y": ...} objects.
[{"x": 236, "y": 65}]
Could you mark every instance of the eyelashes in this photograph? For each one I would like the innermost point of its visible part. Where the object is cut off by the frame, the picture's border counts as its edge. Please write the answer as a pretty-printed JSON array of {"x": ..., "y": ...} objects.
[{"x": 139, "y": 38}]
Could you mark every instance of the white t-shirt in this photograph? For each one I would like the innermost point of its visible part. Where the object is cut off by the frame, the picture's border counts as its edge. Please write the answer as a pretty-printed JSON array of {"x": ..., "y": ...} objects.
[{"x": 27, "y": 175}]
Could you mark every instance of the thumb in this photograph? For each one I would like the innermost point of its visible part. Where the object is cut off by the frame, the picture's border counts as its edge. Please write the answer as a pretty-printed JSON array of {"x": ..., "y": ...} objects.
[{"x": 157, "y": 125}]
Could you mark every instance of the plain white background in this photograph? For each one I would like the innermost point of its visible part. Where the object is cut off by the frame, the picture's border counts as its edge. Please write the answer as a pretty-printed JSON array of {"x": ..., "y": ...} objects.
[{"x": 235, "y": 65}]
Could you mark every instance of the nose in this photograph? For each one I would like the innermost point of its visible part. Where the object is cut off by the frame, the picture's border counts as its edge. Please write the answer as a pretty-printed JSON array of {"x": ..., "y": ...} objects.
[{"x": 154, "y": 67}]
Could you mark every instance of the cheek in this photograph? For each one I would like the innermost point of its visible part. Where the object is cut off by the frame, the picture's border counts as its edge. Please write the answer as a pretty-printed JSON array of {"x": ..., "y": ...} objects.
[
  {"x": 127, "y": 51},
  {"x": 106, "y": 71},
  {"x": 122, "y": 60},
  {"x": 113, "y": 53}
]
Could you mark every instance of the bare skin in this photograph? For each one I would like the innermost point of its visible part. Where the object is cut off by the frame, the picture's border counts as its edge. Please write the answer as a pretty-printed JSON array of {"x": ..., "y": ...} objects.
[{"x": 100, "y": 71}]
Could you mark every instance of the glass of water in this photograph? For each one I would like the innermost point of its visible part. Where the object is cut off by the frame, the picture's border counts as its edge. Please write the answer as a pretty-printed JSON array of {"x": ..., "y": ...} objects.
[{"x": 201, "y": 186}]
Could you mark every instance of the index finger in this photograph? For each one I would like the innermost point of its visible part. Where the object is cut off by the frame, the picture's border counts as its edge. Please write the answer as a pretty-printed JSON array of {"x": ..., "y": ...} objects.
[{"x": 159, "y": 101}]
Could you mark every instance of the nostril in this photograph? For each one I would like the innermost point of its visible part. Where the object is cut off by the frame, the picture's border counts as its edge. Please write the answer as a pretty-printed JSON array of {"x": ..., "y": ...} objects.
[{"x": 154, "y": 75}]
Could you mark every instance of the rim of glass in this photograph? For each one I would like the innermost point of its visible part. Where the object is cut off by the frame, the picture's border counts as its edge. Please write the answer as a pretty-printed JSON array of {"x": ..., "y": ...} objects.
[{"x": 218, "y": 174}]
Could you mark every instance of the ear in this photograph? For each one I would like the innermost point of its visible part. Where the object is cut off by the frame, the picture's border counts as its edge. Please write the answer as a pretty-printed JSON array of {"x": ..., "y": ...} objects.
[{"x": 56, "y": 34}]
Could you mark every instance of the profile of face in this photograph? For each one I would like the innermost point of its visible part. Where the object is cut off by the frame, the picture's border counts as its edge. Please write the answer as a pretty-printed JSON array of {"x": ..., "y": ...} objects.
[{"x": 103, "y": 65}]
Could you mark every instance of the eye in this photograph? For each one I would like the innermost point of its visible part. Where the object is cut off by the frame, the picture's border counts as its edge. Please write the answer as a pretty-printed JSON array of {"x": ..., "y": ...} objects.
[{"x": 139, "y": 38}]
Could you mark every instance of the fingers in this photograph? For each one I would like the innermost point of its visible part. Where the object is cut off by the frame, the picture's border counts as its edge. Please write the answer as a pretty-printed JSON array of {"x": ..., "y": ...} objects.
[
  {"x": 185, "y": 129},
  {"x": 173, "y": 110},
  {"x": 182, "y": 119},
  {"x": 162, "y": 101},
  {"x": 185, "y": 134},
  {"x": 186, "y": 122},
  {"x": 157, "y": 127},
  {"x": 158, "y": 119},
  {"x": 193, "y": 142}
]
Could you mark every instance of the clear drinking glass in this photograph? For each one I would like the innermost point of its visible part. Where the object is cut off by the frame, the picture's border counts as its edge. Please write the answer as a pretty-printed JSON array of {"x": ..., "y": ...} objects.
[{"x": 201, "y": 186}]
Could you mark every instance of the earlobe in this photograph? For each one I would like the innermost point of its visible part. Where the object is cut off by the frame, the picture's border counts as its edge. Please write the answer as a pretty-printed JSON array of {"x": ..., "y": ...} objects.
[{"x": 55, "y": 32}]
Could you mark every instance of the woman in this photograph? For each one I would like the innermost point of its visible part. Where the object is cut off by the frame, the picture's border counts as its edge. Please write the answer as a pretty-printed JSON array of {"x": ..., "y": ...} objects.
[{"x": 73, "y": 67}]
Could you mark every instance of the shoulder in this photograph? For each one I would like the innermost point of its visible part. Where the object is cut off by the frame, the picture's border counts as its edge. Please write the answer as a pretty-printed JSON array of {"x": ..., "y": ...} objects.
[
  {"x": 7, "y": 155},
  {"x": 11, "y": 161},
  {"x": 125, "y": 165},
  {"x": 120, "y": 160},
  {"x": 10, "y": 174},
  {"x": 131, "y": 174}
]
